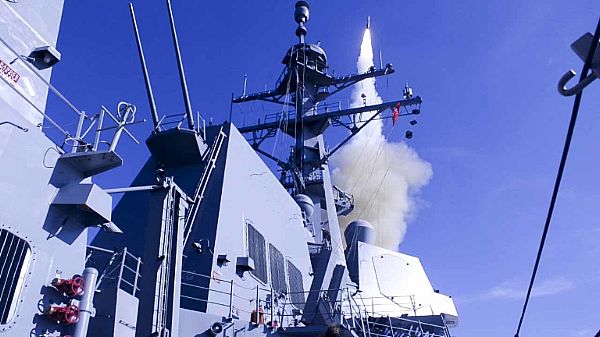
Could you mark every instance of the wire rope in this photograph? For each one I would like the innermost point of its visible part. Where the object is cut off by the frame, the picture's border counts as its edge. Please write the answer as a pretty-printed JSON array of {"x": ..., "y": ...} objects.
[{"x": 561, "y": 168}]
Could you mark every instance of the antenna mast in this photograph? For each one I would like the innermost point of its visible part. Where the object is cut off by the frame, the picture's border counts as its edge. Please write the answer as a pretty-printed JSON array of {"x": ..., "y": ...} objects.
[
  {"x": 186, "y": 94},
  {"x": 144, "y": 68},
  {"x": 301, "y": 15}
]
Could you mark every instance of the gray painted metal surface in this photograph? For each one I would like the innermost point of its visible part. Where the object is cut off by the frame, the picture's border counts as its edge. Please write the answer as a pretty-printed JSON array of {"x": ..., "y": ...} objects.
[{"x": 217, "y": 245}]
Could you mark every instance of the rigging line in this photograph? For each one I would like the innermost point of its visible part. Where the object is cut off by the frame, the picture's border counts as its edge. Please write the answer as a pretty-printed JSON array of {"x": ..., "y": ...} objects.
[
  {"x": 561, "y": 167},
  {"x": 376, "y": 159},
  {"x": 284, "y": 110},
  {"x": 372, "y": 198},
  {"x": 367, "y": 142},
  {"x": 362, "y": 152}
]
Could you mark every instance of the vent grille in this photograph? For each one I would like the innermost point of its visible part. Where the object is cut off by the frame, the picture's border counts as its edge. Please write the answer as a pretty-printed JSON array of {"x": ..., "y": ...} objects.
[
  {"x": 257, "y": 251},
  {"x": 277, "y": 270},
  {"x": 296, "y": 286},
  {"x": 15, "y": 255}
]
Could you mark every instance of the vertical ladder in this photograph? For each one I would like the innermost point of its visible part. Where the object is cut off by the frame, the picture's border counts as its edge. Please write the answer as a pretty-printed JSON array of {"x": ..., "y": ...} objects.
[
  {"x": 211, "y": 159},
  {"x": 162, "y": 281}
]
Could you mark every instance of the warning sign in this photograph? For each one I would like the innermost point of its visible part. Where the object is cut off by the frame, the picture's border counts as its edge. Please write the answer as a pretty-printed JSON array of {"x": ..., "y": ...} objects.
[{"x": 8, "y": 73}]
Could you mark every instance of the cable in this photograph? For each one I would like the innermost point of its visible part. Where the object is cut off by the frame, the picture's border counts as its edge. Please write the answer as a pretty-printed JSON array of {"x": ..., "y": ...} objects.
[{"x": 561, "y": 168}]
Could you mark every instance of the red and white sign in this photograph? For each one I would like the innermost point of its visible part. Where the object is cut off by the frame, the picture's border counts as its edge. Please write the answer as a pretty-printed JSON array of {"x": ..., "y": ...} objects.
[{"x": 8, "y": 73}]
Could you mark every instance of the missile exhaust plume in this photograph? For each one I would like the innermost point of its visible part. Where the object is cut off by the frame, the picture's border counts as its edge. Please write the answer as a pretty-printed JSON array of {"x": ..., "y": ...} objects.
[{"x": 383, "y": 176}]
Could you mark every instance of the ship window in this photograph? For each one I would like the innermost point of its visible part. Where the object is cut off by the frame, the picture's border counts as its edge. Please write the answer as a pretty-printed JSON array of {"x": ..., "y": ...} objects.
[
  {"x": 15, "y": 256},
  {"x": 277, "y": 264},
  {"x": 257, "y": 251},
  {"x": 296, "y": 285}
]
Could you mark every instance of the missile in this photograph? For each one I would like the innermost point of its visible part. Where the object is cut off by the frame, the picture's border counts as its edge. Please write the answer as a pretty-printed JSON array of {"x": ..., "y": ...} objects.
[{"x": 368, "y": 22}]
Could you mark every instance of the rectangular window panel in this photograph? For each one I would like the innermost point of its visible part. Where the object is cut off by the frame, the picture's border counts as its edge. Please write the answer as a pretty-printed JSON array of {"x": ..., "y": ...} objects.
[
  {"x": 296, "y": 285},
  {"x": 15, "y": 256},
  {"x": 257, "y": 251},
  {"x": 277, "y": 270}
]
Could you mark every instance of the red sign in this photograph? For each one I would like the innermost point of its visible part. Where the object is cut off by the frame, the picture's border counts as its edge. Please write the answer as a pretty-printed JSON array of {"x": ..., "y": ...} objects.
[{"x": 8, "y": 73}]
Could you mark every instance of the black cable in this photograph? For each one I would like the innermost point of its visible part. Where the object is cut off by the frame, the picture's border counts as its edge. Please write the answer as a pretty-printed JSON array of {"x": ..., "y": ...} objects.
[{"x": 561, "y": 168}]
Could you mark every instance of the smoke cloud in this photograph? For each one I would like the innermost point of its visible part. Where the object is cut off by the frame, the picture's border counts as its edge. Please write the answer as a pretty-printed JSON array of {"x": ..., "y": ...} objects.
[{"x": 383, "y": 176}]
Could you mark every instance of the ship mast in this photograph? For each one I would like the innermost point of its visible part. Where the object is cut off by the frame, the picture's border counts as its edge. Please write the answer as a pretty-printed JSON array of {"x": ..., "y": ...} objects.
[{"x": 305, "y": 79}]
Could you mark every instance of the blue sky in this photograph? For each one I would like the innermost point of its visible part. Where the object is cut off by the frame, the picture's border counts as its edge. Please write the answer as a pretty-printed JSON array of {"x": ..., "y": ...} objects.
[{"x": 492, "y": 126}]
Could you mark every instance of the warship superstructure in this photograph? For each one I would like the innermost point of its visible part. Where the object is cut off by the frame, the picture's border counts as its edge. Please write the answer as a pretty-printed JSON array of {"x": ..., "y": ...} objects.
[{"x": 207, "y": 240}]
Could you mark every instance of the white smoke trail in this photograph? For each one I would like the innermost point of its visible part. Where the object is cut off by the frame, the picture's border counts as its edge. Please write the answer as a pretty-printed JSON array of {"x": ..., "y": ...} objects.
[{"x": 382, "y": 176}]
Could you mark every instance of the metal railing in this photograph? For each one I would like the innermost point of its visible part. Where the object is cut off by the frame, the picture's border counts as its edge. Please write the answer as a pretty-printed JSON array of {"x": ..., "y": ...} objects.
[
  {"x": 210, "y": 164},
  {"x": 65, "y": 136},
  {"x": 23, "y": 60},
  {"x": 195, "y": 290},
  {"x": 360, "y": 315},
  {"x": 121, "y": 267},
  {"x": 366, "y": 316}
]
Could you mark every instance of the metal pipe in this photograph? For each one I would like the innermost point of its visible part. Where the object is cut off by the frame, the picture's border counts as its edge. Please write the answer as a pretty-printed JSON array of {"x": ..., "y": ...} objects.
[
  {"x": 86, "y": 305},
  {"x": 299, "y": 125},
  {"x": 119, "y": 123},
  {"x": 104, "y": 250},
  {"x": 272, "y": 304},
  {"x": 230, "y": 109},
  {"x": 245, "y": 84},
  {"x": 231, "y": 300},
  {"x": 137, "y": 274},
  {"x": 124, "y": 252},
  {"x": 117, "y": 135},
  {"x": 63, "y": 131},
  {"x": 257, "y": 307},
  {"x": 24, "y": 129},
  {"x": 77, "y": 141},
  {"x": 98, "y": 130},
  {"x": 144, "y": 70},
  {"x": 133, "y": 189},
  {"x": 186, "y": 95}
]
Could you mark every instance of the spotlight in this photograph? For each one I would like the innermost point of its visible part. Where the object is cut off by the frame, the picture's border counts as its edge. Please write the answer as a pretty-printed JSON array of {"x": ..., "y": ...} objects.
[
  {"x": 413, "y": 122},
  {"x": 44, "y": 57},
  {"x": 408, "y": 134}
]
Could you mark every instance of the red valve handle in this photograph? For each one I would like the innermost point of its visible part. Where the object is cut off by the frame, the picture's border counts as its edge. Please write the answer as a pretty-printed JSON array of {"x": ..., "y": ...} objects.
[
  {"x": 65, "y": 314},
  {"x": 71, "y": 287}
]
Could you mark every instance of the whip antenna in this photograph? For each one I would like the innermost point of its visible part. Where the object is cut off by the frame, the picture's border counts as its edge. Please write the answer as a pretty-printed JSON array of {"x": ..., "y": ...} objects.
[
  {"x": 186, "y": 95},
  {"x": 144, "y": 69}
]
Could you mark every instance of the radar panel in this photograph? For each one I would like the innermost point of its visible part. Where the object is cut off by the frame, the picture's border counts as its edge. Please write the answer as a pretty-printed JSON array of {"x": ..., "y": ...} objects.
[
  {"x": 277, "y": 270},
  {"x": 257, "y": 251},
  {"x": 15, "y": 255},
  {"x": 296, "y": 285}
]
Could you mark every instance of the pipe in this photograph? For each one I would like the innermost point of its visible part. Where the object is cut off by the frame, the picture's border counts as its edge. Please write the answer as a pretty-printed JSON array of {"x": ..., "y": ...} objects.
[
  {"x": 98, "y": 130},
  {"x": 132, "y": 189},
  {"x": 86, "y": 305},
  {"x": 120, "y": 129}
]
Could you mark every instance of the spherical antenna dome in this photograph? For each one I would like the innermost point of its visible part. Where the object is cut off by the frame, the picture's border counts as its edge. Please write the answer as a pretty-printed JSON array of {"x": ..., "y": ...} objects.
[
  {"x": 306, "y": 204},
  {"x": 359, "y": 230}
]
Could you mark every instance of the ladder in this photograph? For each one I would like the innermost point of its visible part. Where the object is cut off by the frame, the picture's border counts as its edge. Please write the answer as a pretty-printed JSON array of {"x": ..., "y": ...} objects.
[
  {"x": 211, "y": 159},
  {"x": 163, "y": 279}
]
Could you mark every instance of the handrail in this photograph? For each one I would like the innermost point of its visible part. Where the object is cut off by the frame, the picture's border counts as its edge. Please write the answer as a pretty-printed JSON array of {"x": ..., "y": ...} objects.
[
  {"x": 117, "y": 265},
  {"x": 211, "y": 159},
  {"x": 36, "y": 72},
  {"x": 353, "y": 315}
]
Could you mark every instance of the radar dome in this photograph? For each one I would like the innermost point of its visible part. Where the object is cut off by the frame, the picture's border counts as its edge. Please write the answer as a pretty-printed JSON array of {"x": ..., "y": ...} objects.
[
  {"x": 306, "y": 204},
  {"x": 359, "y": 230}
]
